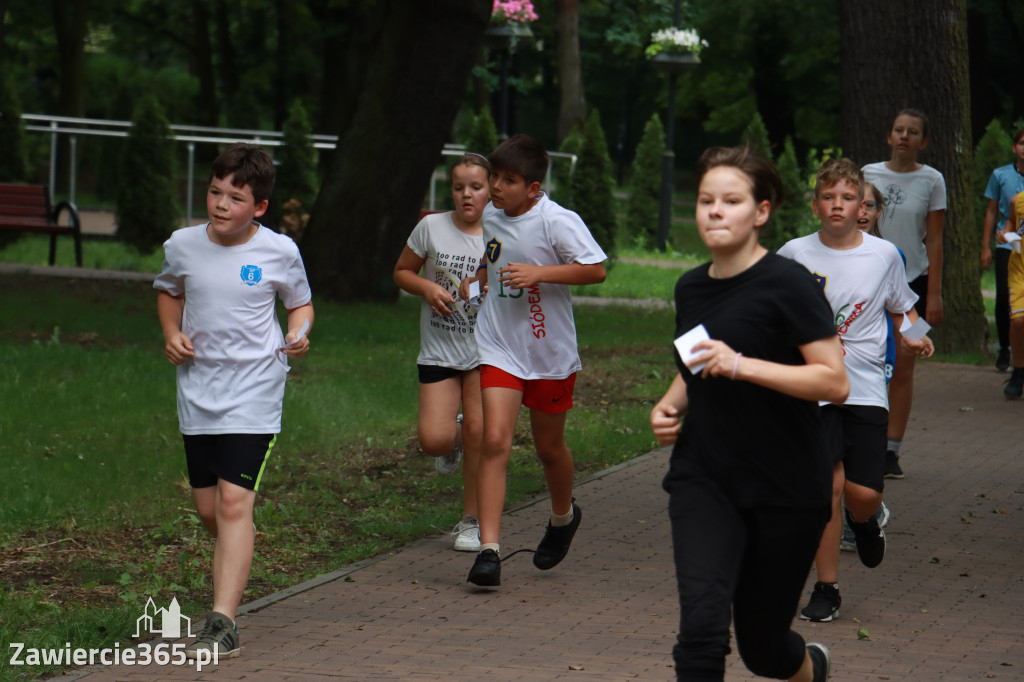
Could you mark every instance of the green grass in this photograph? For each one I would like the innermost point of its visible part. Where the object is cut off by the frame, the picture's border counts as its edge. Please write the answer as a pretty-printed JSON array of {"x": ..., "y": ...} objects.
[
  {"x": 101, "y": 254},
  {"x": 97, "y": 516}
]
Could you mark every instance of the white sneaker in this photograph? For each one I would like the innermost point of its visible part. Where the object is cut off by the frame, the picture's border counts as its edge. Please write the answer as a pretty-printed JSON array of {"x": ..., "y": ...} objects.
[
  {"x": 446, "y": 465},
  {"x": 882, "y": 515},
  {"x": 467, "y": 535}
]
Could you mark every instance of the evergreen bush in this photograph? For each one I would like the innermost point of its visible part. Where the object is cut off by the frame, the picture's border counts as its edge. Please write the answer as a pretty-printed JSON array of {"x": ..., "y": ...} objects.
[
  {"x": 993, "y": 151},
  {"x": 147, "y": 212},
  {"x": 756, "y": 135},
  {"x": 645, "y": 188},
  {"x": 562, "y": 170},
  {"x": 593, "y": 187},
  {"x": 13, "y": 166},
  {"x": 296, "y": 182},
  {"x": 482, "y": 134}
]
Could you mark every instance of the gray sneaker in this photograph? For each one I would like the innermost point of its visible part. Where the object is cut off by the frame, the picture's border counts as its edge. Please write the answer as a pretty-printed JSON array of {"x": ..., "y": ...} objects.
[
  {"x": 446, "y": 465},
  {"x": 219, "y": 634}
]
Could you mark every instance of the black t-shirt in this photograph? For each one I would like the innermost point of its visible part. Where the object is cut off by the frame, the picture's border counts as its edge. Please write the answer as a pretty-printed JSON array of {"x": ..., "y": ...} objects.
[{"x": 763, "y": 448}]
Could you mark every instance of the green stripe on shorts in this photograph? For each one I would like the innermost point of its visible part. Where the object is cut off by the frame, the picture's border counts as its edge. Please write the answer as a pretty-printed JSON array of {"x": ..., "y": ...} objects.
[{"x": 264, "y": 465}]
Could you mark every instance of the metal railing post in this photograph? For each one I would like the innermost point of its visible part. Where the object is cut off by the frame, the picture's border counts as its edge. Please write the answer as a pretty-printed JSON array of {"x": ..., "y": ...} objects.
[
  {"x": 73, "y": 171},
  {"x": 191, "y": 179},
  {"x": 53, "y": 159}
]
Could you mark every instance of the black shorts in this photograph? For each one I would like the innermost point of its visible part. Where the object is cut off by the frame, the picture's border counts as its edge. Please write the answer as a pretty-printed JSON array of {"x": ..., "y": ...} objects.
[
  {"x": 431, "y": 374},
  {"x": 855, "y": 436},
  {"x": 237, "y": 458},
  {"x": 920, "y": 287}
]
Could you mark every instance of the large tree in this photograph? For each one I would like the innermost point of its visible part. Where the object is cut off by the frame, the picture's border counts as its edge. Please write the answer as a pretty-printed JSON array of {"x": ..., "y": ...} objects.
[
  {"x": 415, "y": 75},
  {"x": 572, "y": 108},
  {"x": 888, "y": 63}
]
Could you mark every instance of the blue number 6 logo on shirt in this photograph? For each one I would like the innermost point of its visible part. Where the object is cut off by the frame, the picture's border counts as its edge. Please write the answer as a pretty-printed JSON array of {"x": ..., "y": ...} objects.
[{"x": 251, "y": 275}]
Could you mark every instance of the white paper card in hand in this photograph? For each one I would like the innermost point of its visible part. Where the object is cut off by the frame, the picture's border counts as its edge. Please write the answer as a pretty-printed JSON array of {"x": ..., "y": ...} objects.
[
  {"x": 685, "y": 343},
  {"x": 1013, "y": 239},
  {"x": 302, "y": 332},
  {"x": 916, "y": 331},
  {"x": 474, "y": 294}
]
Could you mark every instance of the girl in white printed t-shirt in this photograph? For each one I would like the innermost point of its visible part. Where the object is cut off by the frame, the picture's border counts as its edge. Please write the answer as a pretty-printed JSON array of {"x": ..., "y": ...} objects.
[{"x": 447, "y": 247}]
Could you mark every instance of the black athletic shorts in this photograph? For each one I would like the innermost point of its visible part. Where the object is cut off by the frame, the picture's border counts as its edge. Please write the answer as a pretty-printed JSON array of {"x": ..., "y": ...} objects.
[
  {"x": 431, "y": 374},
  {"x": 855, "y": 436},
  {"x": 920, "y": 287},
  {"x": 237, "y": 458}
]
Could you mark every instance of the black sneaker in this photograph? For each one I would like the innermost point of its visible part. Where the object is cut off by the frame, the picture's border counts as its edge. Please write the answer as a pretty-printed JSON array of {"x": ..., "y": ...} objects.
[
  {"x": 555, "y": 543},
  {"x": 1015, "y": 384},
  {"x": 870, "y": 540},
  {"x": 821, "y": 661},
  {"x": 824, "y": 604},
  {"x": 1003, "y": 359},
  {"x": 219, "y": 634},
  {"x": 892, "y": 465},
  {"x": 486, "y": 571}
]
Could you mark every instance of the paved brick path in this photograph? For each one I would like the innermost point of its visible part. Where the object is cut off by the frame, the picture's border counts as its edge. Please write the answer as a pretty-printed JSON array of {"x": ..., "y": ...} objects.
[{"x": 945, "y": 605}]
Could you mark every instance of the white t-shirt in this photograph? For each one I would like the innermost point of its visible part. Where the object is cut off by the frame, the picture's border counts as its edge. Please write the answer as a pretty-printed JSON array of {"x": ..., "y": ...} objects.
[
  {"x": 530, "y": 333},
  {"x": 909, "y": 198},
  {"x": 235, "y": 382},
  {"x": 451, "y": 256},
  {"x": 861, "y": 284}
]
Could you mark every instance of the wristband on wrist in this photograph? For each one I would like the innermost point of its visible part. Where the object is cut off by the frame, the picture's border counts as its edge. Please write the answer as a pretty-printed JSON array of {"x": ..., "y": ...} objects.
[{"x": 735, "y": 366}]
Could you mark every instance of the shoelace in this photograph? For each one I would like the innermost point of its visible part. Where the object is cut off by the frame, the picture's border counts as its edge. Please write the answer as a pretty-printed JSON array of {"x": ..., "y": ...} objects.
[{"x": 518, "y": 551}]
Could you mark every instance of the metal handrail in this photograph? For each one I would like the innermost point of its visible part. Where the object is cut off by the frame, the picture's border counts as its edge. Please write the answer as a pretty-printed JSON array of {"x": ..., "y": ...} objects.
[{"x": 183, "y": 133}]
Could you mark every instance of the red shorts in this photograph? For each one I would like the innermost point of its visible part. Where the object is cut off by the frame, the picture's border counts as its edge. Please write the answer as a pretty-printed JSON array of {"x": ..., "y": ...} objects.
[{"x": 550, "y": 396}]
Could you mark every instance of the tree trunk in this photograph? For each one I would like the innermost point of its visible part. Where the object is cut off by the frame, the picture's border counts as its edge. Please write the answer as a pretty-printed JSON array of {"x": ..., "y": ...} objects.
[
  {"x": 3, "y": 23},
  {"x": 888, "y": 63},
  {"x": 228, "y": 69},
  {"x": 372, "y": 195},
  {"x": 69, "y": 20},
  {"x": 201, "y": 59},
  {"x": 572, "y": 107}
]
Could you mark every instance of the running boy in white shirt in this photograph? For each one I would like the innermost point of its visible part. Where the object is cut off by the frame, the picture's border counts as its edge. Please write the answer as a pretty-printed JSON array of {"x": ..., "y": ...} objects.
[
  {"x": 533, "y": 251},
  {"x": 864, "y": 279},
  {"x": 217, "y": 307}
]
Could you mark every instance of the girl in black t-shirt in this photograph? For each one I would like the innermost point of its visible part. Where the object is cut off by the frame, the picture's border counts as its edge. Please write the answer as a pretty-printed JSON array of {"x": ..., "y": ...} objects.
[{"x": 749, "y": 480}]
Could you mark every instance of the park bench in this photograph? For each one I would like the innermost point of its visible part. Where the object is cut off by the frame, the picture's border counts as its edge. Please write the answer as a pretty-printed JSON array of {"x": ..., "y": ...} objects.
[{"x": 26, "y": 208}]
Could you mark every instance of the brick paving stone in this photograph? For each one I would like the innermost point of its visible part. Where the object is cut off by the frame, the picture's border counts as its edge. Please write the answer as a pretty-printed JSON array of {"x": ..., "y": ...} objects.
[{"x": 944, "y": 605}]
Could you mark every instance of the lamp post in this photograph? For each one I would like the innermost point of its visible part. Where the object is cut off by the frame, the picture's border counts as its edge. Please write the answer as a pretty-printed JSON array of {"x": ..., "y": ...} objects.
[
  {"x": 673, "y": 65},
  {"x": 503, "y": 37}
]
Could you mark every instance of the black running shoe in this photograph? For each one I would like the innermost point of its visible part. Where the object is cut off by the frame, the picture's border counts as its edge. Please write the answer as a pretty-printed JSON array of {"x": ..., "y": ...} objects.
[
  {"x": 892, "y": 465},
  {"x": 870, "y": 540},
  {"x": 486, "y": 571},
  {"x": 1003, "y": 359},
  {"x": 821, "y": 661},
  {"x": 555, "y": 544},
  {"x": 1015, "y": 384},
  {"x": 824, "y": 604}
]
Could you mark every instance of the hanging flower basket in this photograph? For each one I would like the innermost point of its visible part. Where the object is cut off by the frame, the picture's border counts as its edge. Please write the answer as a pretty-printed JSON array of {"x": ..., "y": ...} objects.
[
  {"x": 674, "y": 50},
  {"x": 500, "y": 36},
  {"x": 667, "y": 62},
  {"x": 510, "y": 21}
]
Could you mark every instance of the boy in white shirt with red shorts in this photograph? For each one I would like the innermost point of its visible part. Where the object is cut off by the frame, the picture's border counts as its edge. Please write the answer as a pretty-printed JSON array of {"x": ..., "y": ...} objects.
[{"x": 534, "y": 250}]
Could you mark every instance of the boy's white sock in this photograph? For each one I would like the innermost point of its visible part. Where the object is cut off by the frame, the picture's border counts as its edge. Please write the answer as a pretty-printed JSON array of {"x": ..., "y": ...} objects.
[
  {"x": 563, "y": 520},
  {"x": 491, "y": 545},
  {"x": 894, "y": 446}
]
